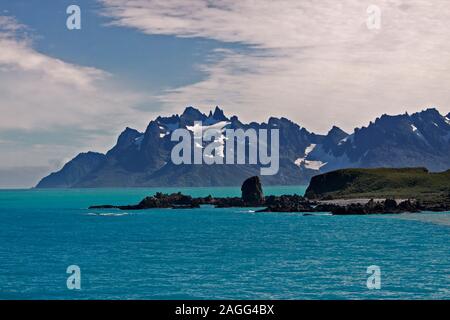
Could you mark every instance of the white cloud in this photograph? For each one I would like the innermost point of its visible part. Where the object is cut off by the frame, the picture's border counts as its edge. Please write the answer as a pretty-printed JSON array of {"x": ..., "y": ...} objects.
[
  {"x": 39, "y": 92},
  {"x": 19, "y": 56},
  {"x": 42, "y": 96},
  {"x": 313, "y": 61}
]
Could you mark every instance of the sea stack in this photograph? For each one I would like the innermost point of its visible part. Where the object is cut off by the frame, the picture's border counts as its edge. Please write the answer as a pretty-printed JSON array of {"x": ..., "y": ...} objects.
[{"x": 252, "y": 192}]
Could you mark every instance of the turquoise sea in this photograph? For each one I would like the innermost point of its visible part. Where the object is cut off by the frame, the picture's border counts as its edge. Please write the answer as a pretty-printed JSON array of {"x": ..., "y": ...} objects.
[{"x": 212, "y": 253}]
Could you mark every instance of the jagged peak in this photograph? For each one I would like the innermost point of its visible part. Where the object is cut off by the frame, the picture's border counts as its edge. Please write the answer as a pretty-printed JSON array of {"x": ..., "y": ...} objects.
[
  {"x": 172, "y": 119},
  {"x": 275, "y": 120},
  {"x": 129, "y": 130},
  {"x": 334, "y": 131},
  {"x": 89, "y": 153},
  {"x": 153, "y": 125},
  {"x": 431, "y": 115},
  {"x": 126, "y": 138},
  {"x": 219, "y": 115},
  {"x": 192, "y": 112},
  {"x": 385, "y": 120},
  {"x": 127, "y": 135},
  {"x": 235, "y": 121},
  {"x": 385, "y": 116},
  {"x": 431, "y": 110}
]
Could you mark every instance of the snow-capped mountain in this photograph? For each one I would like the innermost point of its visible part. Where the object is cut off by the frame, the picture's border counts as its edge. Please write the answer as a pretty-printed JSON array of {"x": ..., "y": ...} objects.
[
  {"x": 143, "y": 158},
  {"x": 420, "y": 139}
]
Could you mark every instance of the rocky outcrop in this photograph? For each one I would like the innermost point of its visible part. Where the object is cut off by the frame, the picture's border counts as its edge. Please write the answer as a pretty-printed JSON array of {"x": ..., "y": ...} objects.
[
  {"x": 159, "y": 200},
  {"x": 252, "y": 196},
  {"x": 177, "y": 201},
  {"x": 284, "y": 203},
  {"x": 252, "y": 193},
  {"x": 388, "y": 206},
  {"x": 288, "y": 203}
]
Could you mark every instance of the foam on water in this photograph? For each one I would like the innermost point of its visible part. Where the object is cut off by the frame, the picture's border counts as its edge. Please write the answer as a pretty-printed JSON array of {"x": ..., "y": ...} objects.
[{"x": 108, "y": 214}]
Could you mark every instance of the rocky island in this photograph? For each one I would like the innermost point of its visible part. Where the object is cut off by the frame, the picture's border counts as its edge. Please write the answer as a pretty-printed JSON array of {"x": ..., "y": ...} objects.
[{"x": 341, "y": 192}]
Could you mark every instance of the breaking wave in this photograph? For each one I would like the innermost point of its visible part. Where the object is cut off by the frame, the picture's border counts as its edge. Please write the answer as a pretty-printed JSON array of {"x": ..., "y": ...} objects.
[{"x": 109, "y": 214}]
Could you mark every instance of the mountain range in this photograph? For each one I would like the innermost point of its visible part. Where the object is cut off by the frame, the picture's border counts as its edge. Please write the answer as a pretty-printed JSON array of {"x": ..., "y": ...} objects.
[{"x": 142, "y": 159}]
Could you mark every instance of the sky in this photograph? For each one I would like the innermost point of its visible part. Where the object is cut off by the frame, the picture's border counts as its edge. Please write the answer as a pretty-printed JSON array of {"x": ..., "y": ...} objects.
[{"x": 318, "y": 63}]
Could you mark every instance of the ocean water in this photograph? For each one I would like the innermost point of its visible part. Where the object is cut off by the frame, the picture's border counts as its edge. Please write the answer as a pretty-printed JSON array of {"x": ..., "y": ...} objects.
[{"x": 209, "y": 253}]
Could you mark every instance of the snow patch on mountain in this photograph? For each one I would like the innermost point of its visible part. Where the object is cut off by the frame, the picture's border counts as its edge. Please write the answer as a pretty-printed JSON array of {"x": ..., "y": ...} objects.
[
  {"x": 418, "y": 133},
  {"x": 309, "y": 164},
  {"x": 348, "y": 138},
  {"x": 196, "y": 128},
  {"x": 314, "y": 164},
  {"x": 172, "y": 126},
  {"x": 329, "y": 160},
  {"x": 308, "y": 150},
  {"x": 218, "y": 128}
]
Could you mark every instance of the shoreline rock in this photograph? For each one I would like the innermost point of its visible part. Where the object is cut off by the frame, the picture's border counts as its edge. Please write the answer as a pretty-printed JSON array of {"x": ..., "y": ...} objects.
[
  {"x": 284, "y": 203},
  {"x": 253, "y": 196}
]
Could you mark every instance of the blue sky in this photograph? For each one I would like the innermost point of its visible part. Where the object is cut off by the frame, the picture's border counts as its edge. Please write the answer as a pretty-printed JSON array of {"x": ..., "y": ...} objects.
[
  {"x": 149, "y": 62},
  {"x": 63, "y": 92}
]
